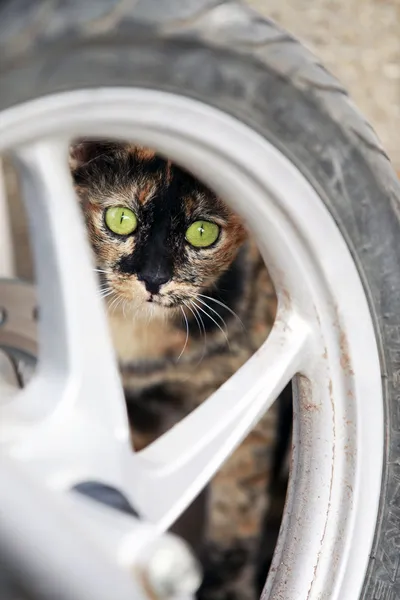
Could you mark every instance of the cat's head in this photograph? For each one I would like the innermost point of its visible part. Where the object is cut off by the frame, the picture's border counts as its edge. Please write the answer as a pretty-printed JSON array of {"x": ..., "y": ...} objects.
[{"x": 159, "y": 235}]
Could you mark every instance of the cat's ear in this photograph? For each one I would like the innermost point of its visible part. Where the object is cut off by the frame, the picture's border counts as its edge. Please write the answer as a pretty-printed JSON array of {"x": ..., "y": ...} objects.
[{"x": 82, "y": 152}]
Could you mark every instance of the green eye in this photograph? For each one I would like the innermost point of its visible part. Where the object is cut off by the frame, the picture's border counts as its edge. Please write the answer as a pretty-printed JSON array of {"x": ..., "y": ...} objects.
[
  {"x": 202, "y": 234},
  {"x": 121, "y": 220}
]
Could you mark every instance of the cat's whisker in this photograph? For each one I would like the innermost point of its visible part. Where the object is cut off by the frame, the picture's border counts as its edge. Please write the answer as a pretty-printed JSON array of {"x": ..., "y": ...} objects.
[
  {"x": 123, "y": 307},
  {"x": 198, "y": 318},
  {"x": 214, "y": 311},
  {"x": 107, "y": 272},
  {"x": 114, "y": 303},
  {"x": 213, "y": 320},
  {"x": 104, "y": 285},
  {"x": 224, "y": 306},
  {"x": 201, "y": 327},
  {"x": 105, "y": 293},
  {"x": 118, "y": 304},
  {"x": 187, "y": 333},
  {"x": 204, "y": 334},
  {"x": 149, "y": 314}
]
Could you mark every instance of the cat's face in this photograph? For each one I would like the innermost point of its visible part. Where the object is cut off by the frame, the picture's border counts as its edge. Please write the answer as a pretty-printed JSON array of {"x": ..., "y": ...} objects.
[{"x": 159, "y": 235}]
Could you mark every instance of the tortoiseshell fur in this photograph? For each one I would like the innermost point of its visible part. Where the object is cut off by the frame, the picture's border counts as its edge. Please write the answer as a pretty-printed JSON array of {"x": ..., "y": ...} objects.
[{"x": 163, "y": 384}]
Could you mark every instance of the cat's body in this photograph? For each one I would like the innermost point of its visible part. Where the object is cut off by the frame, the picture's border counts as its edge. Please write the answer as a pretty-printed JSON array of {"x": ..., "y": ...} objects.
[{"x": 183, "y": 318}]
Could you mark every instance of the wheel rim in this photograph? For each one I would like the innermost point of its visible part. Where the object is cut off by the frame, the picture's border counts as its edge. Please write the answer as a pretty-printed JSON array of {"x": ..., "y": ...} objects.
[{"x": 323, "y": 334}]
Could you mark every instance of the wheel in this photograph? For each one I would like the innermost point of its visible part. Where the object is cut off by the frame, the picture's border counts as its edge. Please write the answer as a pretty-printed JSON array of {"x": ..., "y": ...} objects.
[{"x": 251, "y": 112}]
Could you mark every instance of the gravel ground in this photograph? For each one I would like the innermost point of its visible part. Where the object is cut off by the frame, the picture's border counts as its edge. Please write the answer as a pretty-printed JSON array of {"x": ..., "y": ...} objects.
[{"x": 358, "y": 41}]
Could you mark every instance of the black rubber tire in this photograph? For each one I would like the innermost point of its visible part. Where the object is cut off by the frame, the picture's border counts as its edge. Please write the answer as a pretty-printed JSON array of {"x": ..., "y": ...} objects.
[{"x": 224, "y": 54}]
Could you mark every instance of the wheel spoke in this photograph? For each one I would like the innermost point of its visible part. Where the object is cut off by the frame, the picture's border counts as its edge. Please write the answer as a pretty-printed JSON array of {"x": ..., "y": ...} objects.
[
  {"x": 77, "y": 374},
  {"x": 172, "y": 471},
  {"x": 68, "y": 535}
]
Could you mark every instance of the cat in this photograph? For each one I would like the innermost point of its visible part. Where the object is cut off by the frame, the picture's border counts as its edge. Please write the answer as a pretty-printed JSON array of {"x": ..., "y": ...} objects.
[{"x": 190, "y": 300}]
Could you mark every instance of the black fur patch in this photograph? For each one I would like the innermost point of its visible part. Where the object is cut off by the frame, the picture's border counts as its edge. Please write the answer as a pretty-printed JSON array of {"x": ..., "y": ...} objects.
[
  {"x": 228, "y": 290},
  {"x": 222, "y": 567},
  {"x": 151, "y": 408}
]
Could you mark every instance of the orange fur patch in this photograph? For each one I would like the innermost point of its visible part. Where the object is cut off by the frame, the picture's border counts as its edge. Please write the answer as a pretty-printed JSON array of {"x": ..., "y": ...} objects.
[{"x": 142, "y": 153}]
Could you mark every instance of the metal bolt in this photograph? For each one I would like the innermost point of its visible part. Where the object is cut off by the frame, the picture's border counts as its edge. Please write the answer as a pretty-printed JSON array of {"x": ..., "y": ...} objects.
[{"x": 171, "y": 570}]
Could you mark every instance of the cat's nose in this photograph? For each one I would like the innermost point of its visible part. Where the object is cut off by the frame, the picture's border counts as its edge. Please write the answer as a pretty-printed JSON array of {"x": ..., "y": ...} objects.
[{"x": 153, "y": 281}]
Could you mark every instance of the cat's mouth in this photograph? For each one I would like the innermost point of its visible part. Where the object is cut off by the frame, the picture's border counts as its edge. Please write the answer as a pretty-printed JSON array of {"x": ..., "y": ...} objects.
[
  {"x": 154, "y": 299},
  {"x": 170, "y": 301},
  {"x": 167, "y": 298},
  {"x": 135, "y": 294},
  {"x": 163, "y": 301}
]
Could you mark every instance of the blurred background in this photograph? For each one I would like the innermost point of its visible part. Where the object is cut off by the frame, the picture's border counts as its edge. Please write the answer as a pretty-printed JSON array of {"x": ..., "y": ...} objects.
[{"x": 359, "y": 42}]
